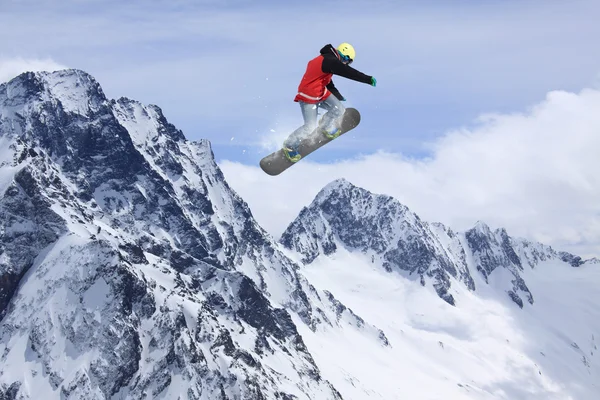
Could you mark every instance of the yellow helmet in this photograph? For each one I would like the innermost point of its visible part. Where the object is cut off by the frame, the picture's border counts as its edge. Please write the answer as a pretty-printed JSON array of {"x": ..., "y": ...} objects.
[{"x": 347, "y": 50}]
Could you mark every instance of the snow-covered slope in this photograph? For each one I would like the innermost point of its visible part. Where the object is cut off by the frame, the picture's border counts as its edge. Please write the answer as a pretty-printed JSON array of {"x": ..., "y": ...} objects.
[
  {"x": 519, "y": 321},
  {"x": 485, "y": 347},
  {"x": 129, "y": 269}
]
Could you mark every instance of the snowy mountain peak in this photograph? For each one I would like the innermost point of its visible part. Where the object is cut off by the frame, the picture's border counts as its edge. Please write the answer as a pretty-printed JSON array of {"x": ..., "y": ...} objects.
[
  {"x": 354, "y": 201},
  {"x": 388, "y": 233},
  {"x": 338, "y": 185},
  {"x": 110, "y": 221},
  {"x": 75, "y": 90},
  {"x": 378, "y": 226},
  {"x": 482, "y": 228}
]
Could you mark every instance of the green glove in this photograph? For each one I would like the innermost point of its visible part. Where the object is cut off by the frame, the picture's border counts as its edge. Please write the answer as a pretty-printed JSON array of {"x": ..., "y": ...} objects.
[{"x": 373, "y": 81}]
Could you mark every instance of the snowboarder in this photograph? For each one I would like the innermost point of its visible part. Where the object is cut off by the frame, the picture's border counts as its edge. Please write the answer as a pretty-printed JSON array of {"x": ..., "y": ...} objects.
[{"x": 315, "y": 90}]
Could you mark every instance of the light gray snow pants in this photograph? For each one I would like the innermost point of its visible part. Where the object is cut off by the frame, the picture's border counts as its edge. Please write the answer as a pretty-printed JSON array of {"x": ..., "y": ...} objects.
[{"x": 310, "y": 112}]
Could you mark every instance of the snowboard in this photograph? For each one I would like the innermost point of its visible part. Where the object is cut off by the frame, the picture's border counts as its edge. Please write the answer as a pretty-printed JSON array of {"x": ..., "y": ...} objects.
[{"x": 276, "y": 162}]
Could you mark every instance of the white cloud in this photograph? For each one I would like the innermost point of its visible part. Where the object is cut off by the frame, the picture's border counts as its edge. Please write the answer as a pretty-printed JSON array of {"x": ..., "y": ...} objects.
[
  {"x": 534, "y": 173},
  {"x": 11, "y": 67}
]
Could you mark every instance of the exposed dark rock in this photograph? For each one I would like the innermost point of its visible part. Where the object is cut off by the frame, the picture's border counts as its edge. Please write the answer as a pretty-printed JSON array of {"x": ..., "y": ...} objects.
[
  {"x": 133, "y": 240},
  {"x": 573, "y": 260}
]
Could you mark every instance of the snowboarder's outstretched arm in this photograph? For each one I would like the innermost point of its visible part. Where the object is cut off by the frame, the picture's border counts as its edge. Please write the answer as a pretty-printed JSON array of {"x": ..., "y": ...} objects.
[{"x": 334, "y": 66}]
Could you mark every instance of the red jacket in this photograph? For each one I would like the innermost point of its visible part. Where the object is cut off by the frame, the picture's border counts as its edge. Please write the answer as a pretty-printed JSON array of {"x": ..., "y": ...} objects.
[
  {"x": 313, "y": 86},
  {"x": 316, "y": 84}
]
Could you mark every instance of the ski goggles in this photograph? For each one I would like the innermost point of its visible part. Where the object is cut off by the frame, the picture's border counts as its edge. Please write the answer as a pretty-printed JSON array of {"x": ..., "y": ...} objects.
[{"x": 346, "y": 59}]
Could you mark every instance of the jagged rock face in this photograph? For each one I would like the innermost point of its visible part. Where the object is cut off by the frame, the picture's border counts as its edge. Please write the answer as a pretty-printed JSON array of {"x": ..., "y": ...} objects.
[
  {"x": 129, "y": 268},
  {"x": 389, "y": 233},
  {"x": 497, "y": 250},
  {"x": 139, "y": 335},
  {"x": 27, "y": 225},
  {"x": 494, "y": 250},
  {"x": 377, "y": 225},
  {"x": 574, "y": 260}
]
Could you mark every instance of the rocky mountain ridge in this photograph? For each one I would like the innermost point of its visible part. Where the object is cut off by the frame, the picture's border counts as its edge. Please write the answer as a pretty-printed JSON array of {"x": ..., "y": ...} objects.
[
  {"x": 128, "y": 266},
  {"x": 382, "y": 228}
]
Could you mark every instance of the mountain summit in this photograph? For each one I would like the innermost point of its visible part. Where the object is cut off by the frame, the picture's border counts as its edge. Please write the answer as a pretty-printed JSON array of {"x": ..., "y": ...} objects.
[
  {"x": 389, "y": 234},
  {"x": 129, "y": 267}
]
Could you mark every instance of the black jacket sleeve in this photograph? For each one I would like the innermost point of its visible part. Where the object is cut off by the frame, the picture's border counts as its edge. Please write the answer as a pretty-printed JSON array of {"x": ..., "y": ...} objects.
[
  {"x": 334, "y": 66},
  {"x": 331, "y": 87}
]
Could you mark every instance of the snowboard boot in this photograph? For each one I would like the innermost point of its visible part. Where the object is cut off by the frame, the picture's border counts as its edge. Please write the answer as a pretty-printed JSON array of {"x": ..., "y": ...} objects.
[
  {"x": 332, "y": 133},
  {"x": 291, "y": 154}
]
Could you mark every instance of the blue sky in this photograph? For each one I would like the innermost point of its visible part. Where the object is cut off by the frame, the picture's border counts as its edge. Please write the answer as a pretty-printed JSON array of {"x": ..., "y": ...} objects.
[
  {"x": 223, "y": 70},
  {"x": 484, "y": 110}
]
